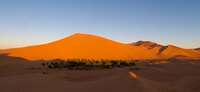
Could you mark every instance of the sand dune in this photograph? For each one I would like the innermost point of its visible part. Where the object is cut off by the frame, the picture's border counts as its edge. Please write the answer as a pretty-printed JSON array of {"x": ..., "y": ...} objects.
[
  {"x": 81, "y": 46},
  {"x": 169, "y": 51},
  {"x": 173, "y": 51},
  {"x": 147, "y": 44},
  {"x": 197, "y": 49},
  {"x": 85, "y": 46}
]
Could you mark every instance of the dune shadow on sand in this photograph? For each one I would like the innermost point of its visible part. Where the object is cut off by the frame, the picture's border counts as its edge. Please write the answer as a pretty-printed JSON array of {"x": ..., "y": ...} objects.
[
  {"x": 18, "y": 74},
  {"x": 7, "y": 58}
]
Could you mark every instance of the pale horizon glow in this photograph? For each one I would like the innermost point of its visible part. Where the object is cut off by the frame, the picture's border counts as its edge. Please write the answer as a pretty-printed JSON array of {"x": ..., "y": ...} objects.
[{"x": 33, "y": 22}]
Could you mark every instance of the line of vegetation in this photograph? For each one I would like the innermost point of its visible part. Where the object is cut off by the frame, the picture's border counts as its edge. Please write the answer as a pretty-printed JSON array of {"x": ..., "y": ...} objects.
[{"x": 87, "y": 64}]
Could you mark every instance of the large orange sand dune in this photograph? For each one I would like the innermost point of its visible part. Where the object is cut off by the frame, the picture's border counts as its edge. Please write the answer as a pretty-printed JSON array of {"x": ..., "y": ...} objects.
[{"x": 85, "y": 46}]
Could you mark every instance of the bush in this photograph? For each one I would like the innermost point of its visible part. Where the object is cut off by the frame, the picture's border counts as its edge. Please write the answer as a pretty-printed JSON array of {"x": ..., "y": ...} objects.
[{"x": 82, "y": 64}]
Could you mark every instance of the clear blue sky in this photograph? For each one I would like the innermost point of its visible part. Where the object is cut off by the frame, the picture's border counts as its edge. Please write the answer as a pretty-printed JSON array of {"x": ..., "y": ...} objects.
[{"x": 28, "y": 22}]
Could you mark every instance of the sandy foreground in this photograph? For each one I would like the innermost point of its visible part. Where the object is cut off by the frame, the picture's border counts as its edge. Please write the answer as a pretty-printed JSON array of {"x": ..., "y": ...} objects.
[{"x": 19, "y": 76}]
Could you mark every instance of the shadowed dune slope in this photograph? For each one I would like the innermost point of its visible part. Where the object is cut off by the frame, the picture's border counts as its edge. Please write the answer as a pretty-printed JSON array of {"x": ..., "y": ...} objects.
[
  {"x": 197, "y": 49},
  {"x": 149, "y": 46}
]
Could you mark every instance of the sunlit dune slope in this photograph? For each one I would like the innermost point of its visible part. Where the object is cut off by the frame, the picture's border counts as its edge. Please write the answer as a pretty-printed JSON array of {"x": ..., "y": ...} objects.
[
  {"x": 85, "y": 46},
  {"x": 82, "y": 46}
]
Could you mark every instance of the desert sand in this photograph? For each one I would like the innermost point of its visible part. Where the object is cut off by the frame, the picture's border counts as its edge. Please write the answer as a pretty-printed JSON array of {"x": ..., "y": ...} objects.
[
  {"x": 180, "y": 73},
  {"x": 18, "y": 75}
]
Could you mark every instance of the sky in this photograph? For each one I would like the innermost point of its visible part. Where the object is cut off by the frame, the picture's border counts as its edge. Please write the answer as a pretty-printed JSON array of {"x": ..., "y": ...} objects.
[{"x": 31, "y": 22}]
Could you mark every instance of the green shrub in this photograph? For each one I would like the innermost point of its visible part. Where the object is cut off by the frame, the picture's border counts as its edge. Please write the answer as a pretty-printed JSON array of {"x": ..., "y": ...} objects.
[{"x": 81, "y": 64}]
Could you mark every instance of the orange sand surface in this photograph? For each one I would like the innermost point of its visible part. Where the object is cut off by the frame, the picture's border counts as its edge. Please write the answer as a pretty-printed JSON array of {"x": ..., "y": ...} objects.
[{"x": 86, "y": 46}]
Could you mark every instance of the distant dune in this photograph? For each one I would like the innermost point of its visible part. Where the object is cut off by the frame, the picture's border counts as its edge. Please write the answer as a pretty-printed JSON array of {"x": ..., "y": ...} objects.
[
  {"x": 168, "y": 51},
  {"x": 197, "y": 49},
  {"x": 86, "y": 46}
]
